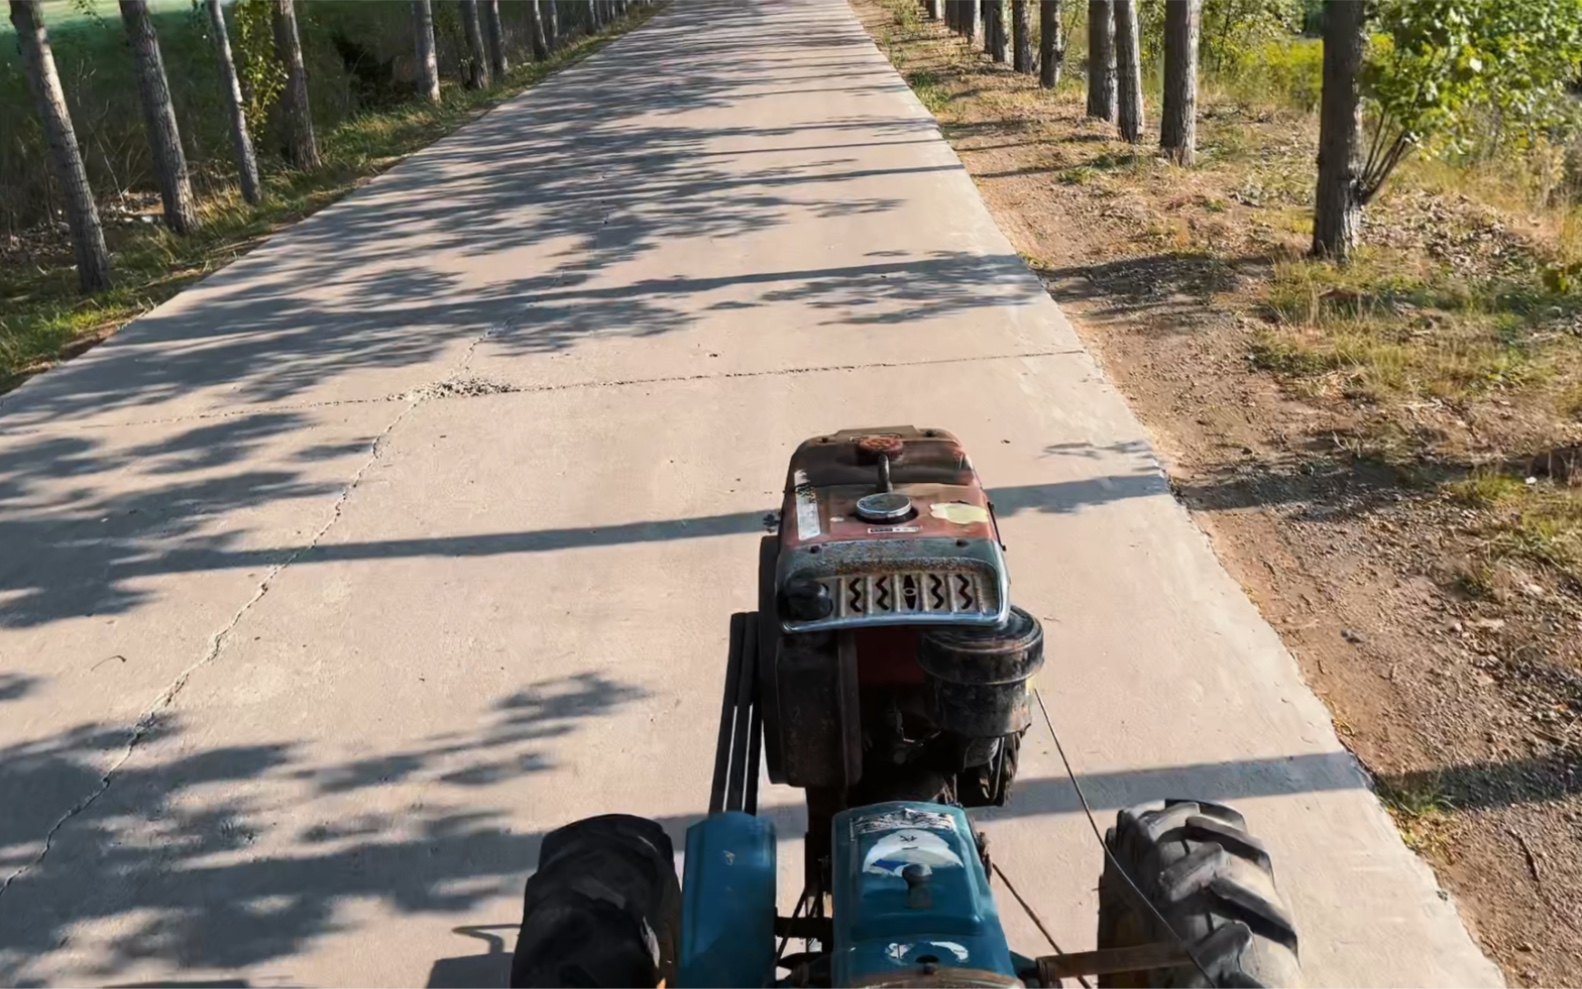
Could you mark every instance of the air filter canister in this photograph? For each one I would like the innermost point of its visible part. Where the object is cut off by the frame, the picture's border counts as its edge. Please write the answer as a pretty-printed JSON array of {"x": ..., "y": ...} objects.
[{"x": 977, "y": 676}]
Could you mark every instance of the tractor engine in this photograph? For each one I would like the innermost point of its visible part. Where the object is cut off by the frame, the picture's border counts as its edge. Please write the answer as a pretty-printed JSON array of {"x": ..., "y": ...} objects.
[{"x": 892, "y": 665}]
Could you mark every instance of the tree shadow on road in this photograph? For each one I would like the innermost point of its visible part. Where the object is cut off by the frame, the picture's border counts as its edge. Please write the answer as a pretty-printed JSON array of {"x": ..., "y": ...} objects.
[
  {"x": 184, "y": 846},
  {"x": 599, "y": 165}
]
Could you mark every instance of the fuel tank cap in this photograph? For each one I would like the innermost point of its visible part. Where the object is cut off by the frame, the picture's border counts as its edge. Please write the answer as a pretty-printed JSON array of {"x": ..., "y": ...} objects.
[{"x": 884, "y": 507}]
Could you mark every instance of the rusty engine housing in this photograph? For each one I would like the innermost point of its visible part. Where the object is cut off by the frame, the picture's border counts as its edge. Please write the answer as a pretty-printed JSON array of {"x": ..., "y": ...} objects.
[{"x": 893, "y": 664}]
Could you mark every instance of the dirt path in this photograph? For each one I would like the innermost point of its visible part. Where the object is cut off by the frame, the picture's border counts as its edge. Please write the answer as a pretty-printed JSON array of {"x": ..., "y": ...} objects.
[{"x": 1472, "y": 739}]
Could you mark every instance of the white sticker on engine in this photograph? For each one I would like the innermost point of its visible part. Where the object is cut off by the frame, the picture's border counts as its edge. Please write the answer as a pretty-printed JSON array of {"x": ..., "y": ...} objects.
[
  {"x": 905, "y": 817},
  {"x": 894, "y": 852},
  {"x": 807, "y": 526}
]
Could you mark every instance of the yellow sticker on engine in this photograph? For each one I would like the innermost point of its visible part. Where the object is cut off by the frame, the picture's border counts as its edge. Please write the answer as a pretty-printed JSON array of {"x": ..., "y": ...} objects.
[{"x": 959, "y": 512}]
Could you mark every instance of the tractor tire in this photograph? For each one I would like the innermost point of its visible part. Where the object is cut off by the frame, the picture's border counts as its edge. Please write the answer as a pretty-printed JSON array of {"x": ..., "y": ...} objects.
[
  {"x": 1213, "y": 882},
  {"x": 603, "y": 909}
]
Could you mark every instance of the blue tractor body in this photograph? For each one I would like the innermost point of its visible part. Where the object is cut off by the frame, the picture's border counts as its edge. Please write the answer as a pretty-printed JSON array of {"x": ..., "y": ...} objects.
[{"x": 909, "y": 894}]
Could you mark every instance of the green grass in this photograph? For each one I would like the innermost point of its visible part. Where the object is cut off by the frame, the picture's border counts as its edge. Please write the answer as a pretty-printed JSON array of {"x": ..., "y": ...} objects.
[
  {"x": 928, "y": 89},
  {"x": 1421, "y": 810},
  {"x": 1393, "y": 334},
  {"x": 43, "y": 317},
  {"x": 358, "y": 59},
  {"x": 1539, "y": 522}
]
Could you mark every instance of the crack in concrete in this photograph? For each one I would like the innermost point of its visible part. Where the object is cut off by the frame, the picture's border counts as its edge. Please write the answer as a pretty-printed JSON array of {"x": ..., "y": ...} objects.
[
  {"x": 454, "y": 387},
  {"x": 150, "y": 718}
]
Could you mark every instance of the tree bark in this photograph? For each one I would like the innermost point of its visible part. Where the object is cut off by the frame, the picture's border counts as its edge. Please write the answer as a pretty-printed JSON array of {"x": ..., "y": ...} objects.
[
  {"x": 475, "y": 70},
  {"x": 1101, "y": 59},
  {"x": 535, "y": 19},
  {"x": 302, "y": 149},
  {"x": 971, "y": 16},
  {"x": 82, "y": 216},
  {"x": 996, "y": 39},
  {"x": 932, "y": 6},
  {"x": 1178, "y": 127},
  {"x": 1051, "y": 43},
  {"x": 494, "y": 33},
  {"x": 1337, "y": 203},
  {"x": 241, "y": 138},
  {"x": 1022, "y": 36},
  {"x": 551, "y": 15},
  {"x": 427, "y": 60},
  {"x": 159, "y": 117},
  {"x": 1129, "y": 71}
]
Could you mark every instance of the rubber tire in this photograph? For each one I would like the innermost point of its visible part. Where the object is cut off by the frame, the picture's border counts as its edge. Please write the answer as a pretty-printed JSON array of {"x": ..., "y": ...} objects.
[
  {"x": 604, "y": 887},
  {"x": 1214, "y": 883}
]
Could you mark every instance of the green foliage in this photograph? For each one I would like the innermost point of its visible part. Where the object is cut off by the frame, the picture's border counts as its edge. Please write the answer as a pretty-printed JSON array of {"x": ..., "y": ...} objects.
[
  {"x": 1455, "y": 74},
  {"x": 262, "y": 74},
  {"x": 87, "y": 10},
  {"x": 1286, "y": 71},
  {"x": 1236, "y": 33}
]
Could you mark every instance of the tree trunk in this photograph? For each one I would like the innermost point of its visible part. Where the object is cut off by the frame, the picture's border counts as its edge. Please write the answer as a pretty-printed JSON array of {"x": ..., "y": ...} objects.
[
  {"x": 1178, "y": 129},
  {"x": 494, "y": 33},
  {"x": 1129, "y": 71},
  {"x": 1337, "y": 210},
  {"x": 1101, "y": 59},
  {"x": 475, "y": 68},
  {"x": 241, "y": 139},
  {"x": 302, "y": 149},
  {"x": 1051, "y": 43},
  {"x": 551, "y": 16},
  {"x": 427, "y": 61},
  {"x": 996, "y": 39},
  {"x": 932, "y": 6},
  {"x": 1022, "y": 37},
  {"x": 535, "y": 19},
  {"x": 159, "y": 117},
  {"x": 82, "y": 216},
  {"x": 970, "y": 19}
]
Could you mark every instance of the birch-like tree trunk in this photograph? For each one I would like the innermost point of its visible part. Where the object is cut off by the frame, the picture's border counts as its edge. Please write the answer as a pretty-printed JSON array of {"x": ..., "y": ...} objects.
[
  {"x": 302, "y": 148},
  {"x": 475, "y": 71},
  {"x": 423, "y": 38},
  {"x": 494, "y": 34},
  {"x": 535, "y": 18},
  {"x": 1021, "y": 37},
  {"x": 1178, "y": 123},
  {"x": 159, "y": 118},
  {"x": 235, "y": 107},
  {"x": 1129, "y": 71},
  {"x": 1051, "y": 43},
  {"x": 1337, "y": 203},
  {"x": 1101, "y": 59},
  {"x": 82, "y": 216}
]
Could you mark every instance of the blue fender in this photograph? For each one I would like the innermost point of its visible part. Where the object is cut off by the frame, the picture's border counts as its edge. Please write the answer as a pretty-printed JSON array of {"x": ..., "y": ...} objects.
[{"x": 728, "y": 902}]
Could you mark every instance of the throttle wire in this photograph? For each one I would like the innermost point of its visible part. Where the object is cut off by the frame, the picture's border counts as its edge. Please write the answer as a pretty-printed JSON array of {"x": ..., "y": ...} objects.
[{"x": 1110, "y": 855}]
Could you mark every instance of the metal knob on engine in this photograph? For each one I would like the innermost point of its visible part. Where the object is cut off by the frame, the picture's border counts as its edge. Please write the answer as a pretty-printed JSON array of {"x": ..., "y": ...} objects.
[{"x": 976, "y": 676}]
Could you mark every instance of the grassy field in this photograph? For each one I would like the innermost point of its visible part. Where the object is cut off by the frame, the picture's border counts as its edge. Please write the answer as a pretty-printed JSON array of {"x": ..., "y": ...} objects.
[
  {"x": 358, "y": 57},
  {"x": 42, "y": 316}
]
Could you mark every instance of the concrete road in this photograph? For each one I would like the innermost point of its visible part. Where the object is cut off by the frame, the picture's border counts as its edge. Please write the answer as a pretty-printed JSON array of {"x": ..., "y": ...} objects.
[{"x": 330, "y": 586}]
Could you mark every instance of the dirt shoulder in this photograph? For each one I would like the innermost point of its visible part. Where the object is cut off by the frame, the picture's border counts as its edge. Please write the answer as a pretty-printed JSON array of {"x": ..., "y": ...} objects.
[{"x": 1371, "y": 492}]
